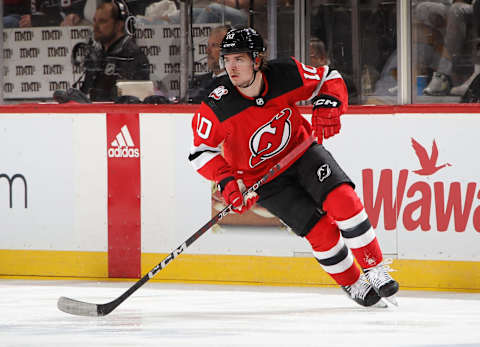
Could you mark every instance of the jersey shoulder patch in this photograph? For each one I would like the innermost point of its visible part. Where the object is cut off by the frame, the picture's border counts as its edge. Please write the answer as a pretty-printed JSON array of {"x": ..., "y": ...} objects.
[
  {"x": 225, "y": 101},
  {"x": 218, "y": 92}
]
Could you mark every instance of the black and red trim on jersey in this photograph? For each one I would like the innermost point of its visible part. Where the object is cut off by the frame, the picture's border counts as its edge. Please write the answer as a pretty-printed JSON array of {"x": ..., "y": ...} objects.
[{"x": 275, "y": 76}]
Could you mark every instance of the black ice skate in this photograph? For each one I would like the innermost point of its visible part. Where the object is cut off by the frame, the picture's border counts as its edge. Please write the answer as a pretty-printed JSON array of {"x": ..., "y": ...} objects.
[
  {"x": 382, "y": 282},
  {"x": 362, "y": 292}
]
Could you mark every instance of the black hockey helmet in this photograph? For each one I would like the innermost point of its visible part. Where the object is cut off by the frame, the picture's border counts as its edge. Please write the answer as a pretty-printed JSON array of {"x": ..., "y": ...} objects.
[{"x": 245, "y": 40}]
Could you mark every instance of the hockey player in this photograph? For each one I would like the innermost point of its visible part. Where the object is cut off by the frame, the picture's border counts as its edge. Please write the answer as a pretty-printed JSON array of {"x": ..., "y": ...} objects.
[{"x": 252, "y": 115}]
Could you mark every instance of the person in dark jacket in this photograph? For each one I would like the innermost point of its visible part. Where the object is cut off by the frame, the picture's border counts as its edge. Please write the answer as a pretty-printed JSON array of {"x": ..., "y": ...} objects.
[
  {"x": 203, "y": 84},
  {"x": 115, "y": 55}
]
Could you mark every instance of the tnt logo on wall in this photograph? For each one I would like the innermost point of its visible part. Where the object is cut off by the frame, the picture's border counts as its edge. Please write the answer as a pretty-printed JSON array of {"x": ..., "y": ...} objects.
[{"x": 123, "y": 146}]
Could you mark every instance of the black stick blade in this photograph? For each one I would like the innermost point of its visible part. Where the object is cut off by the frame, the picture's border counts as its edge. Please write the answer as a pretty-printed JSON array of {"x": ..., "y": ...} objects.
[{"x": 78, "y": 308}]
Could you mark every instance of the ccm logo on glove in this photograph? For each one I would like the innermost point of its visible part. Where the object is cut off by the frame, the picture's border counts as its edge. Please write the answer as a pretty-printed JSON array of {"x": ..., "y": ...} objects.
[
  {"x": 326, "y": 101},
  {"x": 326, "y": 116}
]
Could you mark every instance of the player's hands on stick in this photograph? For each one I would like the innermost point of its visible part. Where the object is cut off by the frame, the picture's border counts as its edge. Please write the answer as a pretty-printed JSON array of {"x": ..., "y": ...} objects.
[
  {"x": 232, "y": 190},
  {"x": 326, "y": 116}
]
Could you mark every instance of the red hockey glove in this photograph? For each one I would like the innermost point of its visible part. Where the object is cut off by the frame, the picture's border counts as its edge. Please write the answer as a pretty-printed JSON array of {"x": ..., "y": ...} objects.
[
  {"x": 232, "y": 190},
  {"x": 326, "y": 116}
]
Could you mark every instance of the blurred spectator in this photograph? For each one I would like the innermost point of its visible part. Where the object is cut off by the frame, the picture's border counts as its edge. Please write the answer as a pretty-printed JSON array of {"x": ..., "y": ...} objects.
[
  {"x": 429, "y": 25},
  {"x": 166, "y": 12},
  {"x": 233, "y": 12},
  {"x": 458, "y": 19},
  {"x": 160, "y": 13},
  {"x": 428, "y": 30},
  {"x": 53, "y": 13},
  {"x": 468, "y": 85},
  {"x": 331, "y": 23},
  {"x": 318, "y": 53},
  {"x": 387, "y": 83},
  {"x": 115, "y": 56},
  {"x": 319, "y": 57},
  {"x": 374, "y": 32},
  {"x": 138, "y": 7},
  {"x": 203, "y": 84},
  {"x": 13, "y": 11},
  {"x": 440, "y": 35}
]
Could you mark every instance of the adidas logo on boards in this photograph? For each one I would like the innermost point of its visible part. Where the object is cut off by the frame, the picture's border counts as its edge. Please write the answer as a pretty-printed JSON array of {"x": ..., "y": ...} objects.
[{"x": 123, "y": 146}]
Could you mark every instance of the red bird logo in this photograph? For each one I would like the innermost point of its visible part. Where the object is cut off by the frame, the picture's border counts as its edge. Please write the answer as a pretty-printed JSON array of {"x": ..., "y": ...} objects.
[{"x": 428, "y": 163}]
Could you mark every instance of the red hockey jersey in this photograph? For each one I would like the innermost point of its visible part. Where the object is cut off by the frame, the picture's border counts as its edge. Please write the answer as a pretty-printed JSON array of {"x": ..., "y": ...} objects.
[{"x": 256, "y": 133}]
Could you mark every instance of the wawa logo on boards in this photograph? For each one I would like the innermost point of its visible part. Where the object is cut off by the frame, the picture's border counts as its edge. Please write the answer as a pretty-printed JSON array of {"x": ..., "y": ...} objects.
[
  {"x": 123, "y": 146},
  {"x": 425, "y": 203}
]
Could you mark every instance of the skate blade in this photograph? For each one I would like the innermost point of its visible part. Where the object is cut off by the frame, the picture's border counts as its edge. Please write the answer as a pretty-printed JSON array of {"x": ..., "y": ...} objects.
[
  {"x": 380, "y": 304},
  {"x": 391, "y": 300}
]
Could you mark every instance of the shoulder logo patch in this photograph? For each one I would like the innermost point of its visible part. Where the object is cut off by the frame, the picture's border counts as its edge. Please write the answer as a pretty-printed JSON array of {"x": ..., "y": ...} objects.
[{"x": 218, "y": 92}]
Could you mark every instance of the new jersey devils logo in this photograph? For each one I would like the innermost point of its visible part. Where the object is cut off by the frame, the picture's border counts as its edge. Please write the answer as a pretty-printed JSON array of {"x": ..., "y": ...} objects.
[{"x": 271, "y": 138}]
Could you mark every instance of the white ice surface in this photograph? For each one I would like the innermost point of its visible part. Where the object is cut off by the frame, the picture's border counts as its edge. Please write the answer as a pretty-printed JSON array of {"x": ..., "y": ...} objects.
[{"x": 165, "y": 314}]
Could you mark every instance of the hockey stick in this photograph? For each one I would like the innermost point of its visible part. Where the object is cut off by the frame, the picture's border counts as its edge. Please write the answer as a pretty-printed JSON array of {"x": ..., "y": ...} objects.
[{"x": 81, "y": 308}]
